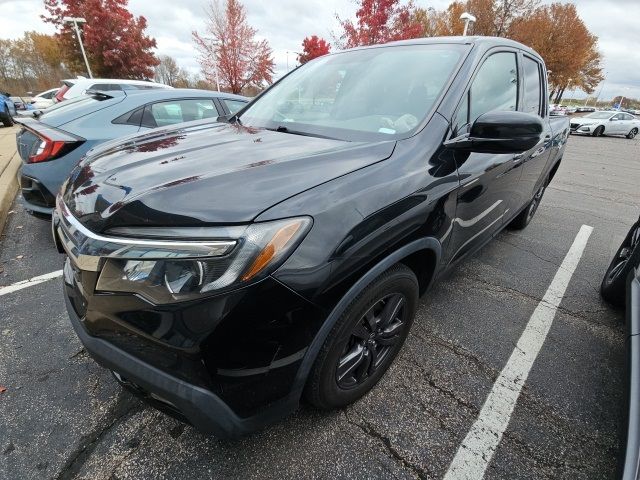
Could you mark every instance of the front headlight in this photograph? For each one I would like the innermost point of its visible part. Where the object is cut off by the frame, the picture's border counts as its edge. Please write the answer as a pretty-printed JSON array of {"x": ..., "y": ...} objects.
[{"x": 151, "y": 268}]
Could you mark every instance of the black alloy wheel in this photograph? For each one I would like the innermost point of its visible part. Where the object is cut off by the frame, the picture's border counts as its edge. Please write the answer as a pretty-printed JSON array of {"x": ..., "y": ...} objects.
[
  {"x": 371, "y": 341},
  {"x": 535, "y": 203},
  {"x": 631, "y": 135},
  {"x": 365, "y": 340},
  {"x": 598, "y": 131},
  {"x": 614, "y": 284}
]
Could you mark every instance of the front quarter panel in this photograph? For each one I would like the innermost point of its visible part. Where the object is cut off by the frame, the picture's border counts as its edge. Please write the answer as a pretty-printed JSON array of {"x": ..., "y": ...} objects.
[{"x": 364, "y": 216}]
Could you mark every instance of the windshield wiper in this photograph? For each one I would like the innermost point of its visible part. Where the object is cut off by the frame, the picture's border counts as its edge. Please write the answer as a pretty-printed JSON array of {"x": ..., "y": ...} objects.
[{"x": 283, "y": 129}]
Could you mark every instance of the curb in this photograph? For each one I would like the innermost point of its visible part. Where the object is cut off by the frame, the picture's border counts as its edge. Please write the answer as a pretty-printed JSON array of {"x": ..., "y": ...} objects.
[{"x": 8, "y": 187}]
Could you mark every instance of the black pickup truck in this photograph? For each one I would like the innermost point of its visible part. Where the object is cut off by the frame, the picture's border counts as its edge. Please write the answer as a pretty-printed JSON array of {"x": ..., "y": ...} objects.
[{"x": 224, "y": 270}]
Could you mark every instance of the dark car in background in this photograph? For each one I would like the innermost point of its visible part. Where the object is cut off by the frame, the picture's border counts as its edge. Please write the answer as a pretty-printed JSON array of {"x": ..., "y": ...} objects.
[
  {"x": 223, "y": 270},
  {"x": 22, "y": 104},
  {"x": 51, "y": 144}
]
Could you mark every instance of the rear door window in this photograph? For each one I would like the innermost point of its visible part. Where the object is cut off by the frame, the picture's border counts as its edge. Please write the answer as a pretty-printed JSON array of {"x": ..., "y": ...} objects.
[{"x": 177, "y": 111}]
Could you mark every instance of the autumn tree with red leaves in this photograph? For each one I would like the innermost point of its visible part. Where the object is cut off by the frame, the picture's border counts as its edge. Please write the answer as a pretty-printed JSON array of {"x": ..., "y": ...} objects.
[
  {"x": 313, "y": 47},
  {"x": 115, "y": 40},
  {"x": 229, "y": 45},
  {"x": 379, "y": 21}
]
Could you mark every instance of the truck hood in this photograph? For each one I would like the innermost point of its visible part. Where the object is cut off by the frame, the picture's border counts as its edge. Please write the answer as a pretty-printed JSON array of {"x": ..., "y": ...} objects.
[{"x": 205, "y": 173}]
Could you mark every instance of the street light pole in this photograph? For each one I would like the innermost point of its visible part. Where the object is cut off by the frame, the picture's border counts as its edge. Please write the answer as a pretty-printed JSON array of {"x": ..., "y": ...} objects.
[
  {"x": 75, "y": 21},
  {"x": 215, "y": 43}
]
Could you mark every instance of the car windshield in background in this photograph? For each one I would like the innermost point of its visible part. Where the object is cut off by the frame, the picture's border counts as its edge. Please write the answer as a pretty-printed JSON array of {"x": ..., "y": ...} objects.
[
  {"x": 599, "y": 115},
  {"x": 379, "y": 93}
]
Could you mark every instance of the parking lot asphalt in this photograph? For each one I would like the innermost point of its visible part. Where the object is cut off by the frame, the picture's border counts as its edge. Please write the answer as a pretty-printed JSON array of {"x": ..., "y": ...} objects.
[{"x": 63, "y": 417}]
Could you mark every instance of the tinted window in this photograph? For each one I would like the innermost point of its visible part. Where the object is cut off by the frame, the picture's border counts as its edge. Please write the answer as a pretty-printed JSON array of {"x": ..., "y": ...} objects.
[
  {"x": 178, "y": 111},
  {"x": 618, "y": 116},
  {"x": 130, "y": 118},
  {"x": 105, "y": 87},
  {"x": 628, "y": 117},
  {"x": 361, "y": 94},
  {"x": 531, "y": 86},
  {"x": 234, "y": 105},
  {"x": 495, "y": 87}
]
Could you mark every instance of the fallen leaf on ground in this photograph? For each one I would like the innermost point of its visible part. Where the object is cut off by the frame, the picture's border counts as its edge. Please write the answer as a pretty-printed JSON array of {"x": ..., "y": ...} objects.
[
  {"x": 3, "y": 389},
  {"x": 20, "y": 257}
]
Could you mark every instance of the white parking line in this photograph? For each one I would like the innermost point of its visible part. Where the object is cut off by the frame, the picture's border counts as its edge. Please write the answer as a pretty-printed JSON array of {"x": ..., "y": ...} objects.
[
  {"x": 478, "y": 447},
  {"x": 30, "y": 282}
]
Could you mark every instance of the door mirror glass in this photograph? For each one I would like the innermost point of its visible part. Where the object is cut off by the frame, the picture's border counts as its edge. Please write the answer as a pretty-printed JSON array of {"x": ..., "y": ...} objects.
[{"x": 500, "y": 132}]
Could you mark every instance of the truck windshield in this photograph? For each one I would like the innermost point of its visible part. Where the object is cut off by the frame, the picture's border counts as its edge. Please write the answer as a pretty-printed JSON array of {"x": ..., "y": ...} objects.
[{"x": 371, "y": 94}]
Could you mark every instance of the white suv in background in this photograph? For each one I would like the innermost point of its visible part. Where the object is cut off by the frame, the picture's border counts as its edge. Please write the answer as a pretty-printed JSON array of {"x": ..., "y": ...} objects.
[{"x": 78, "y": 86}]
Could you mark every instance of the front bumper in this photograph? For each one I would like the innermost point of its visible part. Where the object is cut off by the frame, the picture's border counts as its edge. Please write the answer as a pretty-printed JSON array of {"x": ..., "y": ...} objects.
[{"x": 183, "y": 400}]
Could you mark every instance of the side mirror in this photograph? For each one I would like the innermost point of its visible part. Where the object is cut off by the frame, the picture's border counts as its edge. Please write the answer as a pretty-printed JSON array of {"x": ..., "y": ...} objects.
[{"x": 500, "y": 132}]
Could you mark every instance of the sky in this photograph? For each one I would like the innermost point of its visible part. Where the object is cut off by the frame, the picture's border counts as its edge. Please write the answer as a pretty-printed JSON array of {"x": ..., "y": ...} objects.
[{"x": 284, "y": 23}]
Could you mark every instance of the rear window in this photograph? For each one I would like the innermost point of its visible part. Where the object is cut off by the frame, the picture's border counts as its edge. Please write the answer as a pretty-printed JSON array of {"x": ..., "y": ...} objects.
[{"x": 73, "y": 108}]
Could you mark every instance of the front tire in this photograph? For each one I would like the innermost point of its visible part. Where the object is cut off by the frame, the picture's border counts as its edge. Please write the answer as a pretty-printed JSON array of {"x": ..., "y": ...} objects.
[
  {"x": 363, "y": 343},
  {"x": 631, "y": 135},
  {"x": 614, "y": 284},
  {"x": 598, "y": 131}
]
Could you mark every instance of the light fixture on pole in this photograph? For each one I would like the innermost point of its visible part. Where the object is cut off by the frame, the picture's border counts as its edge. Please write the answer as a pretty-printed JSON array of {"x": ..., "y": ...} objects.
[
  {"x": 468, "y": 19},
  {"x": 76, "y": 21}
]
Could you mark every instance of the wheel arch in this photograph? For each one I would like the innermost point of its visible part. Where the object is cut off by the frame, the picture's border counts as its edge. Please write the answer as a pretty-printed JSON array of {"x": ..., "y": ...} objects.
[{"x": 427, "y": 250}]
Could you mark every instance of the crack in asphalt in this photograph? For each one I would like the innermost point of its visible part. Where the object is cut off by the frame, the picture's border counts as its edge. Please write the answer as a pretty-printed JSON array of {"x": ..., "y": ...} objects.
[
  {"x": 572, "y": 313},
  {"x": 545, "y": 462},
  {"x": 135, "y": 443},
  {"x": 125, "y": 406},
  {"x": 459, "y": 351},
  {"x": 446, "y": 392},
  {"x": 370, "y": 430},
  {"x": 531, "y": 252}
]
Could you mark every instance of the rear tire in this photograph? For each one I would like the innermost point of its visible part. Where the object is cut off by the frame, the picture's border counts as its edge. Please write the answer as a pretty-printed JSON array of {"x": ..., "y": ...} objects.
[
  {"x": 614, "y": 284},
  {"x": 631, "y": 135},
  {"x": 7, "y": 120},
  {"x": 598, "y": 131},
  {"x": 364, "y": 341},
  {"x": 525, "y": 216}
]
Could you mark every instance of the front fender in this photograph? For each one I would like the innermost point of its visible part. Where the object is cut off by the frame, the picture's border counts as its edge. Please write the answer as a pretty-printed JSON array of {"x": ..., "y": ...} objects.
[{"x": 426, "y": 243}]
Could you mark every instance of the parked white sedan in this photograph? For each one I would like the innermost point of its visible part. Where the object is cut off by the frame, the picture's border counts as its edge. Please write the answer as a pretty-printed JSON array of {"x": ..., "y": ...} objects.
[{"x": 606, "y": 123}]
